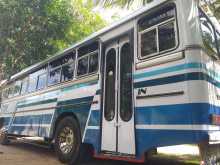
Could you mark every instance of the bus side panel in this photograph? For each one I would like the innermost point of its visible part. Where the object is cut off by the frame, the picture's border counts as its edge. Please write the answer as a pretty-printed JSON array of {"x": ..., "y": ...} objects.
[
  {"x": 7, "y": 110},
  {"x": 83, "y": 100},
  {"x": 34, "y": 115},
  {"x": 174, "y": 108},
  {"x": 207, "y": 91},
  {"x": 163, "y": 119}
]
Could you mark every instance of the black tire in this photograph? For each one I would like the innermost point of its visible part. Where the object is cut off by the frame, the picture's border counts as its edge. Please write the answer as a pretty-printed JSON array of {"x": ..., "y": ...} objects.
[
  {"x": 73, "y": 147},
  {"x": 4, "y": 138}
]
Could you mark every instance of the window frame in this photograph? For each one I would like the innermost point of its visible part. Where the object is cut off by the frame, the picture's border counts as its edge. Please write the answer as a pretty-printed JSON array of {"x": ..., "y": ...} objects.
[
  {"x": 11, "y": 89},
  {"x": 66, "y": 64},
  {"x": 176, "y": 30},
  {"x": 87, "y": 55},
  {"x": 20, "y": 85},
  {"x": 51, "y": 70},
  {"x": 61, "y": 68},
  {"x": 26, "y": 79},
  {"x": 5, "y": 91},
  {"x": 37, "y": 88}
]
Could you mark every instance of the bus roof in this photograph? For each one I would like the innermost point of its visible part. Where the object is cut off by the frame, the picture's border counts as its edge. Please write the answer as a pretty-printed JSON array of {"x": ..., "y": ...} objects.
[{"x": 95, "y": 35}]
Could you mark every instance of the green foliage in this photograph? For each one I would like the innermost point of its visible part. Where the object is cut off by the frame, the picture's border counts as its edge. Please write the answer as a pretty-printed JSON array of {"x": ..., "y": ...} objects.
[
  {"x": 122, "y": 3},
  {"x": 215, "y": 7},
  {"x": 32, "y": 30}
]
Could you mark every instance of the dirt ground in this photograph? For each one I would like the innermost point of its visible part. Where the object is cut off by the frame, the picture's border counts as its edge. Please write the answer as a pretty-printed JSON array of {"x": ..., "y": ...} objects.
[{"x": 18, "y": 153}]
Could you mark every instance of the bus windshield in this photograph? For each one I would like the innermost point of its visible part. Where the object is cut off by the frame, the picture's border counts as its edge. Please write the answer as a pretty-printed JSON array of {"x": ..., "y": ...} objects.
[{"x": 210, "y": 34}]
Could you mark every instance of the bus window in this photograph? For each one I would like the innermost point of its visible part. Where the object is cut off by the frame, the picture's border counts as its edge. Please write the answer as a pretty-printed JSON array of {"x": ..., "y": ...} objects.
[
  {"x": 54, "y": 76},
  {"x": 67, "y": 72},
  {"x": 55, "y": 72},
  {"x": 149, "y": 42},
  {"x": 126, "y": 83},
  {"x": 157, "y": 32},
  {"x": 166, "y": 36},
  {"x": 68, "y": 67},
  {"x": 88, "y": 49},
  {"x": 88, "y": 59},
  {"x": 32, "y": 83},
  {"x": 5, "y": 93},
  {"x": 62, "y": 69},
  {"x": 110, "y": 70},
  {"x": 42, "y": 78},
  {"x": 82, "y": 66},
  {"x": 93, "y": 63},
  {"x": 24, "y": 86},
  {"x": 42, "y": 81},
  {"x": 208, "y": 34},
  {"x": 17, "y": 88},
  {"x": 11, "y": 91}
]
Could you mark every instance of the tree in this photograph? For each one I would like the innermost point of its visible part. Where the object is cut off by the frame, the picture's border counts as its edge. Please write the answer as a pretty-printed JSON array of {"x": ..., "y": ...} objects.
[
  {"x": 32, "y": 30},
  {"x": 214, "y": 4},
  {"x": 121, "y": 3}
]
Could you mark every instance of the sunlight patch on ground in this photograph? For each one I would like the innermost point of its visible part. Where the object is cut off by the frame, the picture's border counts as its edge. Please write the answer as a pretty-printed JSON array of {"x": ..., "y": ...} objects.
[{"x": 179, "y": 150}]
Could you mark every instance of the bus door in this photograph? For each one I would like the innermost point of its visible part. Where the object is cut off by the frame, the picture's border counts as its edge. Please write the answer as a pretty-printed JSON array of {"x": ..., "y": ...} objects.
[{"x": 118, "y": 133}]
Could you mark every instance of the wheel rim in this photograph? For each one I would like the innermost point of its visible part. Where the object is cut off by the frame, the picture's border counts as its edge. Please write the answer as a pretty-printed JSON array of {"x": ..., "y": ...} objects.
[{"x": 66, "y": 140}]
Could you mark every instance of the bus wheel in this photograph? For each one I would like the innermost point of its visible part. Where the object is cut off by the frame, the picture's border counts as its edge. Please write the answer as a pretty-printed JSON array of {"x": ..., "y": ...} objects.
[
  {"x": 68, "y": 141},
  {"x": 210, "y": 154},
  {"x": 4, "y": 138}
]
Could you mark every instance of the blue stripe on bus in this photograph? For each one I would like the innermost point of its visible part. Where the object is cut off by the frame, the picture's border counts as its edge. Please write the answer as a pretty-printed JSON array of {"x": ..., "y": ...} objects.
[
  {"x": 33, "y": 119},
  {"x": 193, "y": 113},
  {"x": 5, "y": 121},
  {"x": 94, "y": 118},
  {"x": 77, "y": 101},
  {"x": 79, "y": 85},
  {"x": 47, "y": 101},
  {"x": 177, "y": 78},
  {"x": 148, "y": 139},
  {"x": 80, "y": 107},
  {"x": 93, "y": 137},
  {"x": 177, "y": 68},
  {"x": 30, "y": 130}
]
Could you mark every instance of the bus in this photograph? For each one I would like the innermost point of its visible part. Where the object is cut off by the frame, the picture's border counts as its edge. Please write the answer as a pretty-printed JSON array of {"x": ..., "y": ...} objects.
[{"x": 150, "y": 80}]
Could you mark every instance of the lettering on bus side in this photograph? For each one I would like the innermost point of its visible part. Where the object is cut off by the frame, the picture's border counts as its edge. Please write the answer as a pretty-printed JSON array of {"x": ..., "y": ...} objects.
[{"x": 142, "y": 91}]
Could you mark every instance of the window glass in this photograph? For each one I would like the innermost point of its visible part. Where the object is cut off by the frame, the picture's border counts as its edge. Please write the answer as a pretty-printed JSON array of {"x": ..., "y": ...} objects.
[
  {"x": 167, "y": 38},
  {"x": 110, "y": 77},
  {"x": 56, "y": 63},
  {"x": 208, "y": 34},
  {"x": 69, "y": 58},
  {"x": 88, "y": 49},
  {"x": 17, "y": 88},
  {"x": 163, "y": 35},
  {"x": 82, "y": 66},
  {"x": 54, "y": 76},
  {"x": 24, "y": 86},
  {"x": 5, "y": 93},
  {"x": 157, "y": 17},
  {"x": 11, "y": 91},
  {"x": 67, "y": 72},
  {"x": 32, "y": 83},
  {"x": 93, "y": 63},
  {"x": 42, "y": 81},
  {"x": 149, "y": 42},
  {"x": 126, "y": 83}
]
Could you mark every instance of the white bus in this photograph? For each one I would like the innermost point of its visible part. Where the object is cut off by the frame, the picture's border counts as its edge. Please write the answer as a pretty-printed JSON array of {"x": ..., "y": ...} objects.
[{"x": 147, "y": 81}]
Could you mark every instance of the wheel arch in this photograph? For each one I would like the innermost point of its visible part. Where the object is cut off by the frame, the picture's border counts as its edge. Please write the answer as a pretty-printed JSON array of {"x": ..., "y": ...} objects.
[{"x": 62, "y": 116}]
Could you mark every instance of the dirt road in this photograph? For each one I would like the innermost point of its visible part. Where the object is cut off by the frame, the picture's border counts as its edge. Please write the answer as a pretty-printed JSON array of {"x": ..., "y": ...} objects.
[{"x": 18, "y": 153}]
